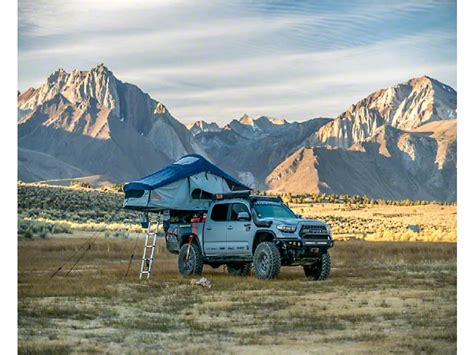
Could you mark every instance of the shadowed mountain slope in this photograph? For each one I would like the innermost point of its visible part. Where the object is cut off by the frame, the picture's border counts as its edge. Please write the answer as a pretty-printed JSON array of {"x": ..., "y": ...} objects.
[{"x": 392, "y": 164}]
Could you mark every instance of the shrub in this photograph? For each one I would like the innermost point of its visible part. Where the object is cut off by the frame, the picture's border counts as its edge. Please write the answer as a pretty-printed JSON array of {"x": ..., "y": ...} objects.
[
  {"x": 81, "y": 184},
  {"x": 30, "y": 229}
]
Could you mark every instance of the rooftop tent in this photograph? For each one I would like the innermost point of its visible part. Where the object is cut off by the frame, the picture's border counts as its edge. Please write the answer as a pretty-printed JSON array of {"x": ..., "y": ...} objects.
[{"x": 187, "y": 184}]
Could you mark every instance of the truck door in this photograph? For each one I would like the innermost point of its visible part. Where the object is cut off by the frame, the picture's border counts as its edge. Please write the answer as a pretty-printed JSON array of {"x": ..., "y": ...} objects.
[
  {"x": 215, "y": 230},
  {"x": 239, "y": 231}
]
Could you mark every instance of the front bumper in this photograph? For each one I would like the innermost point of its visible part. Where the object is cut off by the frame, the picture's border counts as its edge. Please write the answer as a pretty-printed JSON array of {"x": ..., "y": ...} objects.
[
  {"x": 310, "y": 242},
  {"x": 303, "y": 251}
]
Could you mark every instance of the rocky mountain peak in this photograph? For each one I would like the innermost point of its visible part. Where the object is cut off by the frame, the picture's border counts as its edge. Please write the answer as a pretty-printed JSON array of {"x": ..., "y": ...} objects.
[
  {"x": 57, "y": 77},
  {"x": 406, "y": 106},
  {"x": 160, "y": 109},
  {"x": 92, "y": 97},
  {"x": 263, "y": 120},
  {"x": 98, "y": 83},
  {"x": 99, "y": 125},
  {"x": 271, "y": 120},
  {"x": 202, "y": 126},
  {"x": 426, "y": 82},
  {"x": 246, "y": 120},
  {"x": 101, "y": 68}
]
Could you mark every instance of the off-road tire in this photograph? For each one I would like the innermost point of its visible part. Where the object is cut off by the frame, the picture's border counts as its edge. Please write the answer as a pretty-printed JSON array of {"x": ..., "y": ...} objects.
[
  {"x": 320, "y": 269},
  {"x": 242, "y": 269},
  {"x": 267, "y": 261},
  {"x": 193, "y": 265}
]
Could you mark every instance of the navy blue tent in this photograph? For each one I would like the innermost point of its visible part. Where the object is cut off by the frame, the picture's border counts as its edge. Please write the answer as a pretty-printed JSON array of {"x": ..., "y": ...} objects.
[{"x": 187, "y": 184}]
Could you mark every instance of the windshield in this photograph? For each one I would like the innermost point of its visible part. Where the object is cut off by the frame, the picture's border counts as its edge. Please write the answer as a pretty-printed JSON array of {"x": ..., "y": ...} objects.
[{"x": 273, "y": 210}]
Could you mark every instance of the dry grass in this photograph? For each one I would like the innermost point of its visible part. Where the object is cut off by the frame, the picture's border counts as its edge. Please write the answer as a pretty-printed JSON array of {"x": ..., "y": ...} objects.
[
  {"x": 436, "y": 223},
  {"x": 380, "y": 297}
]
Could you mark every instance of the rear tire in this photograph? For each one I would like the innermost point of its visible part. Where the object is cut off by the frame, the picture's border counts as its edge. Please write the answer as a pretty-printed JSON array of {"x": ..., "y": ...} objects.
[
  {"x": 320, "y": 269},
  {"x": 267, "y": 261},
  {"x": 239, "y": 269},
  {"x": 190, "y": 260}
]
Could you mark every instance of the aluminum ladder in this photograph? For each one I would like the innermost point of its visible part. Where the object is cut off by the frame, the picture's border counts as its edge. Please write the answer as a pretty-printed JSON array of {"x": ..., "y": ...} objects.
[{"x": 149, "y": 249}]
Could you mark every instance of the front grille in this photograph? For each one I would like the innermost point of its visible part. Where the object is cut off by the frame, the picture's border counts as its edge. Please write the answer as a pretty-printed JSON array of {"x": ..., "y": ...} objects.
[{"x": 312, "y": 229}]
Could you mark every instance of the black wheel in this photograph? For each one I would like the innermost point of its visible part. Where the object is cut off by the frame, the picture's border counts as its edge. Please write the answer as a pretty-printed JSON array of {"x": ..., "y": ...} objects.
[
  {"x": 267, "y": 261},
  {"x": 242, "y": 269},
  {"x": 190, "y": 260},
  {"x": 320, "y": 269}
]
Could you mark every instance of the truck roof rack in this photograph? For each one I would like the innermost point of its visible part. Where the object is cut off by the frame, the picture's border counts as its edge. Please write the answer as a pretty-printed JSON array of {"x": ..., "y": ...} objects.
[
  {"x": 245, "y": 195},
  {"x": 255, "y": 198},
  {"x": 229, "y": 195}
]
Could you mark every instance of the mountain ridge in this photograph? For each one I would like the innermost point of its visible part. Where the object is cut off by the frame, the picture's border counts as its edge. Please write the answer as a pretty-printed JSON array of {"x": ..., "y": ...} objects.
[{"x": 398, "y": 142}]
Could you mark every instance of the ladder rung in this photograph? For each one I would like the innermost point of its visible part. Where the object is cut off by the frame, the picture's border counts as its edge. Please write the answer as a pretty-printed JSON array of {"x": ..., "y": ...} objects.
[{"x": 147, "y": 261}]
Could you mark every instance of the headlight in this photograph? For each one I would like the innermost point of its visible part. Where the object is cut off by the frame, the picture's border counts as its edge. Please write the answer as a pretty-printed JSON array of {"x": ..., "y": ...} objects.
[{"x": 286, "y": 228}]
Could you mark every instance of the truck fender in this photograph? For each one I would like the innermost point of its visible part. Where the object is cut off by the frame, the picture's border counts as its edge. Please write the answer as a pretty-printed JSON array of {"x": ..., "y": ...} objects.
[{"x": 262, "y": 235}]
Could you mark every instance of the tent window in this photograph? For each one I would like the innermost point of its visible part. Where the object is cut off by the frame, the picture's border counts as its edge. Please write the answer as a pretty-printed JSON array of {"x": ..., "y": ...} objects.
[
  {"x": 134, "y": 193},
  {"x": 199, "y": 194}
]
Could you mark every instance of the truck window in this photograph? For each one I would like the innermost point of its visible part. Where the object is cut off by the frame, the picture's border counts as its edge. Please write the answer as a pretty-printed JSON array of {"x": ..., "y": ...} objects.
[
  {"x": 236, "y": 208},
  {"x": 219, "y": 212},
  {"x": 272, "y": 210}
]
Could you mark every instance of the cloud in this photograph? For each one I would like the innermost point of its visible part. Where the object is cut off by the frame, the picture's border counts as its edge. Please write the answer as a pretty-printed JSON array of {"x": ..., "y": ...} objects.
[{"x": 215, "y": 60}]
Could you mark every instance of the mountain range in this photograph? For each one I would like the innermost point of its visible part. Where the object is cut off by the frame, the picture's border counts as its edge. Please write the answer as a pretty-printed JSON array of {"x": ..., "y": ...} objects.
[{"x": 398, "y": 142}]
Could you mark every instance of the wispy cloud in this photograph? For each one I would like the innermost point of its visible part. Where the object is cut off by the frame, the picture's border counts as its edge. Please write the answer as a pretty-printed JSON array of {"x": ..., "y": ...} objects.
[{"x": 217, "y": 60}]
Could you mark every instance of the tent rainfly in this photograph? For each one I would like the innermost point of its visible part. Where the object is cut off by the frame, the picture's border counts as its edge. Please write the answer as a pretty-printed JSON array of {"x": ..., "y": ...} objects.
[{"x": 187, "y": 184}]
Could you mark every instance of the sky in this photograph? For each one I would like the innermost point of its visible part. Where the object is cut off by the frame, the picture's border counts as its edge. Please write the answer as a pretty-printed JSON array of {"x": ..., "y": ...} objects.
[{"x": 218, "y": 60}]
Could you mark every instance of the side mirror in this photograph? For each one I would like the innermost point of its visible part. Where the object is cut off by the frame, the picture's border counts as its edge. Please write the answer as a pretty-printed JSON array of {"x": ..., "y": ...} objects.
[
  {"x": 299, "y": 216},
  {"x": 243, "y": 216}
]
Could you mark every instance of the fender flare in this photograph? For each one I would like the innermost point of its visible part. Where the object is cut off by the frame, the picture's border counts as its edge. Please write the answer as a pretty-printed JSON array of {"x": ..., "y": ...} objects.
[{"x": 260, "y": 231}]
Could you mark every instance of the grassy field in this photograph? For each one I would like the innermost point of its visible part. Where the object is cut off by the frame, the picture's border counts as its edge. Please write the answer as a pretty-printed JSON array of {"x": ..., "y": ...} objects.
[
  {"x": 381, "y": 297},
  {"x": 398, "y": 295},
  {"x": 432, "y": 222}
]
